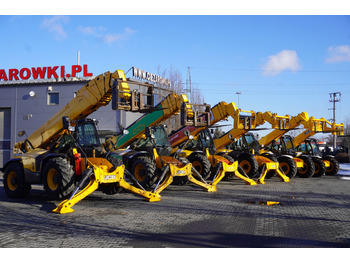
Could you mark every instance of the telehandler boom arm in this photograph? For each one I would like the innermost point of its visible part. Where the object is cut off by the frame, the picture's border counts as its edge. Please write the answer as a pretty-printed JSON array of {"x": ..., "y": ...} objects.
[
  {"x": 219, "y": 112},
  {"x": 282, "y": 125},
  {"x": 96, "y": 93},
  {"x": 314, "y": 126},
  {"x": 171, "y": 105}
]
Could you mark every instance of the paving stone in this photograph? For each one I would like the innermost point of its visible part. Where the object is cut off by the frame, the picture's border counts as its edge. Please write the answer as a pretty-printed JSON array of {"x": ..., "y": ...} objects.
[{"x": 313, "y": 212}]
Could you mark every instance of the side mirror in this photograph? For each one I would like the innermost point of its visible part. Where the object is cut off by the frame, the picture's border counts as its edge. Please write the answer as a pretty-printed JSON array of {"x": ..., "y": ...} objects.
[
  {"x": 230, "y": 137},
  {"x": 66, "y": 122},
  {"x": 187, "y": 133},
  {"x": 149, "y": 132}
]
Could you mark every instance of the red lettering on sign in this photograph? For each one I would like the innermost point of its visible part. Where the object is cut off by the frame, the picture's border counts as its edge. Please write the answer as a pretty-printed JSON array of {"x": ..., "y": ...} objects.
[
  {"x": 39, "y": 71},
  {"x": 13, "y": 74},
  {"x": 75, "y": 69},
  {"x": 85, "y": 72},
  {"x": 52, "y": 72},
  {"x": 3, "y": 75},
  {"x": 26, "y": 71},
  {"x": 42, "y": 72},
  {"x": 62, "y": 71}
]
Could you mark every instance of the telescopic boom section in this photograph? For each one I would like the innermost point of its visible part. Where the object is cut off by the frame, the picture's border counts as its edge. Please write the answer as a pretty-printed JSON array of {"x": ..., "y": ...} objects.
[
  {"x": 171, "y": 105},
  {"x": 282, "y": 125},
  {"x": 219, "y": 112},
  {"x": 314, "y": 126},
  {"x": 243, "y": 121}
]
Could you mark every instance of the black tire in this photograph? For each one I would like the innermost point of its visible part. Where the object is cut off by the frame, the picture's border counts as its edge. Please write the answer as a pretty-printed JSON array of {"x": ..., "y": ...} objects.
[
  {"x": 14, "y": 181},
  {"x": 201, "y": 164},
  {"x": 320, "y": 168},
  {"x": 249, "y": 164},
  {"x": 143, "y": 169},
  {"x": 58, "y": 178},
  {"x": 112, "y": 188},
  {"x": 288, "y": 166},
  {"x": 309, "y": 167},
  {"x": 334, "y": 166}
]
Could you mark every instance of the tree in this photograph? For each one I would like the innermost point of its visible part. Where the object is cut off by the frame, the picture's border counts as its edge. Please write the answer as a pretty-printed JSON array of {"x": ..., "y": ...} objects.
[{"x": 176, "y": 86}]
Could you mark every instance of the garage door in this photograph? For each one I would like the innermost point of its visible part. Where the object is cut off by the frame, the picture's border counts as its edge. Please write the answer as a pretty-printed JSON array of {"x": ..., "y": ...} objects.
[{"x": 5, "y": 135}]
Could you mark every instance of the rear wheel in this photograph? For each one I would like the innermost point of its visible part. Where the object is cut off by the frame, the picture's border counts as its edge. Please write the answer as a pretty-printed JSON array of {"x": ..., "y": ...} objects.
[
  {"x": 143, "y": 169},
  {"x": 58, "y": 178},
  {"x": 14, "y": 182},
  {"x": 334, "y": 166},
  {"x": 320, "y": 168},
  {"x": 201, "y": 164}
]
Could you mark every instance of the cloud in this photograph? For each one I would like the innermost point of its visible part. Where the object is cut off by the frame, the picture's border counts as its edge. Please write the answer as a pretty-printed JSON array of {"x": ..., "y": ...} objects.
[
  {"x": 91, "y": 30},
  {"x": 108, "y": 38},
  {"x": 284, "y": 60},
  {"x": 55, "y": 25},
  {"x": 338, "y": 54},
  {"x": 112, "y": 38}
]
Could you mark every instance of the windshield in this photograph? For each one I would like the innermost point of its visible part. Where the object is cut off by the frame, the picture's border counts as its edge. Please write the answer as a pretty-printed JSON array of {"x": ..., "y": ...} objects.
[
  {"x": 252, "y": 142},
  {"x": 87, "y": 135},
  {"x": 288, "y": 142},
  {"x": 206, "y": 139},
  {"x": 314, "y": 147},
  {"x": 160, "y": 139}
]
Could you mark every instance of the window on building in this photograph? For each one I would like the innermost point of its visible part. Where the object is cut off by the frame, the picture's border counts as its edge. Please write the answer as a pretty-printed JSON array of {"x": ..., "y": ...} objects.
[{"x": 53, "y": 98}]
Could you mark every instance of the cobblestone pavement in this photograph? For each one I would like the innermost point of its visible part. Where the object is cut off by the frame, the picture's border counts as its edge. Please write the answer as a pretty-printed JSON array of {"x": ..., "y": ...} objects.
[{"x": 313, "y": 212}]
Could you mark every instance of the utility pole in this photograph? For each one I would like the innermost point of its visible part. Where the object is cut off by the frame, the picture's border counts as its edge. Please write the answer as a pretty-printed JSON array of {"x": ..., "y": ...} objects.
[
  {"x": 333, "y": 99},
  {"x": 238, "y": 93},
  {"x": 188, "y": 88}
]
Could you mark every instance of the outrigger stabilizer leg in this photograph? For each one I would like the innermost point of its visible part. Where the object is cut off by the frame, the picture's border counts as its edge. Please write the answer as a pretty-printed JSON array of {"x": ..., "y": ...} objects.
[
  {"x": 99, "y": 176},
  {"x": 170, "y": 171},
  {"x": 272, "y": 166},
  {"x": 222, "y": 167}
]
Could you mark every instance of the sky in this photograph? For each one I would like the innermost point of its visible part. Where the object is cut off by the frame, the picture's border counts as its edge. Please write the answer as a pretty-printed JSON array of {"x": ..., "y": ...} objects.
[{"x": 285, "y": 64}]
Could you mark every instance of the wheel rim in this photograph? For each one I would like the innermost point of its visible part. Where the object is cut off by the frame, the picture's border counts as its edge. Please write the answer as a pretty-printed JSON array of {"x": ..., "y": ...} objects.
[
  {"x": 245, "y": 166},
  {"x": 304, "y": 169},
  {"x": 52, "y": 179},
  {"x": 285, "y": 168},
  {"x": 198, "y": 166},
  {"x": 12, "y": 181},
  {"x": 140, "y": 172},
  {"x": 330, "y": 168}
]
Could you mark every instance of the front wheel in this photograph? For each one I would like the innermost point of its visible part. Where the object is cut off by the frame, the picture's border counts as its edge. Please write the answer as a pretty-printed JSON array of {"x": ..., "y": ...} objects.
[
  {"x": 249, "y": 164},
  {"x": 333, "y": 168},
  {"x": 58, "y": 178},
  {"x": 320, "y": 168},
  {"x": 143, "y": 169},
  {"x": 14, "y": 181},
  {"x": 308, "y": 169},
  {"x": 288, "y": 166},
  {"x": 201, "y": 164}
]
